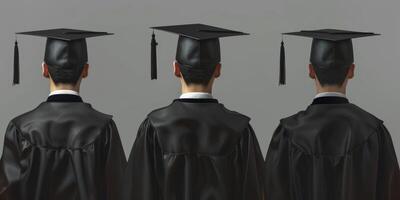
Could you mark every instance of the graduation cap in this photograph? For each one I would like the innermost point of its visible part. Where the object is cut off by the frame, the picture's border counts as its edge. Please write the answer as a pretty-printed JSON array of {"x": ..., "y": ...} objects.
[
  {"x": 198, "y": 46},
  {"x": 65, "y": 48},
  {"x": 331, "y": 48}
]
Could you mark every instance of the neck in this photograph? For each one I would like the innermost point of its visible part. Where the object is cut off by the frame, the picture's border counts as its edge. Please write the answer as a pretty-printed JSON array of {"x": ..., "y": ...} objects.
[
  {"x": 54, "y": 87},
  {"x": 331, "y": 89},
  {"x": 195, "y": 87}
]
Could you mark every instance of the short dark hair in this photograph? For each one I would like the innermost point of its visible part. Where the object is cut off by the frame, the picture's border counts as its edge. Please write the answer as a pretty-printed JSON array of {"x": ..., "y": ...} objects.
[
  {"x": 331, "y": 76},
  {"x": 64, "y": 75},
  {"x": 197, "y": 76}
]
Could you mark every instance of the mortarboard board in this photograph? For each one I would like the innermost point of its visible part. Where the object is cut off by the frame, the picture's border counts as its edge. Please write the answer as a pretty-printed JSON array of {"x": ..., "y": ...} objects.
[
  {"x": 64, "y": 47},
  {"x": 330, "y": 48},
  {"x": 198, "y": 45}
]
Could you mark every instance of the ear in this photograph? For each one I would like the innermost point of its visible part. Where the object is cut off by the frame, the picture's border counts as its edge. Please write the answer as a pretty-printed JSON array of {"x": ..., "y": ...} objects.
[
  {"x": 350, "y": 72},
  {"x": 217, "y": 72},
  {"x": 177, "y": 70},
  {"x": 311, "y": 72},
  {"x": 45, "y": 70},
  {"x": 85, "y": 71}
]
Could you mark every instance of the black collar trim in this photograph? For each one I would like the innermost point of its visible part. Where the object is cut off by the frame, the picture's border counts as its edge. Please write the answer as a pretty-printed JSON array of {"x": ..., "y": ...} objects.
[
  {"x": 64, "y": 98},
  {"x": 330, "y": 100},
  {"x": 190, "y": 100}
]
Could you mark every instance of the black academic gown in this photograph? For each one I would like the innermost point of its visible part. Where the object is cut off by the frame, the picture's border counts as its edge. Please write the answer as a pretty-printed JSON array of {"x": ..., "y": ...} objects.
[
  {"x": 195, "y": 149},
  {"x": 333, "y": 150},
  {"x": 62, "y": 150}
]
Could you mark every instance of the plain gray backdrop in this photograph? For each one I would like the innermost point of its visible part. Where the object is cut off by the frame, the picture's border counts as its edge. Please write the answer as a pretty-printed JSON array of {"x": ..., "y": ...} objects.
[{"x": 119, "y": 81}]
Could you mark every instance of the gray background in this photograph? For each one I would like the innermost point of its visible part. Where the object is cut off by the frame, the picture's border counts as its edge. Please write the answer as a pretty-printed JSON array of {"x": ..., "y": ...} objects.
[{"x": 119, "y": 81}]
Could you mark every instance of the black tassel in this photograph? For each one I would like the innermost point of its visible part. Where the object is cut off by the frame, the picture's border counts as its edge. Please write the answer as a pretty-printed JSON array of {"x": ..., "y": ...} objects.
[
  {"x": 153, "y": 57},
  {"x": 282, "y": 67},
  {"x": 16, "y": 64}
]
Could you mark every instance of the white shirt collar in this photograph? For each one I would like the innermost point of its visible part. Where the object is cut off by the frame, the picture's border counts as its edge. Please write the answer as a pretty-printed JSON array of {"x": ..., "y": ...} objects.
[
  {"x": 70, "y": 92},
  {"x": 330, "y": 94},
  {"x": 196, "y": 95}
]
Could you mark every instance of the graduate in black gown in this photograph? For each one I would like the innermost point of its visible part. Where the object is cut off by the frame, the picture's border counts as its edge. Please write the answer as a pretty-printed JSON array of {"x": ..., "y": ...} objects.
[
  {"x": 195, "y": 148},
  {"x": 63, "y": 149},
  {"x": 333, "y": 149}
]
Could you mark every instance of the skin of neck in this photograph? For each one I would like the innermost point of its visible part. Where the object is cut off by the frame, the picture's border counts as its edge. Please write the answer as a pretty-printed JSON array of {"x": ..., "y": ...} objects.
[
  {"x": 185, "y": 88},
  {"x": 63, "y": 86},
  {"x": 330, "y": 88}
]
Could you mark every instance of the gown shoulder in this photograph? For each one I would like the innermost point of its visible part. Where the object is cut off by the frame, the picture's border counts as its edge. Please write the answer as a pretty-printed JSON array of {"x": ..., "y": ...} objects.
[
  {"x": 184, "y": 110},
  {"x": 320, "y": 128},
  {"x": 62, "y": 125}
]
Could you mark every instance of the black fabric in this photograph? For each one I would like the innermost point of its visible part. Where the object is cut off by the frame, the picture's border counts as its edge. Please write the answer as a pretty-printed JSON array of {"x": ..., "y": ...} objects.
[
  {"x": 327, "y": 54},
  {"x": 199, "y": 31},
  {"x": 198, "y": 49},
  {"x": 331, "y": 34},
  {"x": 65, "y": 34},
  {"x": 330, "y": 100},
  {"x": 65, "y": 48},
  {"x": 64, "y": 98},
  {"x": 194, "y": 100},
  {"x": 195, "y": 151},
  {"x": 16, "y": 67},
  {"x": 66, "y": 54},
  {"x": 153, "y": 57},
  {"x": 332, "y": 151},
  {"x": 331, "y": 48},
  {"x": 61, "y": 151},
  {"x": 193, "y": 53},
  {"x": 282, "y": 65}
]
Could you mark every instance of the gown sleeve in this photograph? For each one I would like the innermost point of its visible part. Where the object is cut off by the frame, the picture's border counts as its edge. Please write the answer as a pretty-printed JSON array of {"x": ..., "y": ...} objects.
[
  {"x": 388, "y": 185},
  {"x": 115, "y": 162},
  {"x": 141, "y": 174},
  {"x": 10, "y": 168},
  {"x": 253, "y": 182},
  {"x": 277, "y": 167}
]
